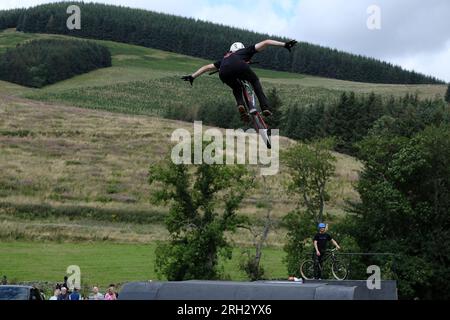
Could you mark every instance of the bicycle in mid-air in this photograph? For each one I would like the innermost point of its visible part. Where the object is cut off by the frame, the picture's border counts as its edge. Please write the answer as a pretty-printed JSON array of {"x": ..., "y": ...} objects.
[
  {"x": 250, "y": 104},
  {"x": 309, "y": 267}
]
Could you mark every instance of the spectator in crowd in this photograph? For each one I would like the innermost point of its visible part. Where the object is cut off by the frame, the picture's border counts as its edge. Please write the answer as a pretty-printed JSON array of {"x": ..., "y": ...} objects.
[
  {"x": 114, "y": 289},
  {"x": 110, "y": 295},
  {"x": 63, "y": 295},
  {"x": 96, "y": 295},
  {"x": 64, "y": 284},
  {"x": 4, "y": 281},
  {"x": 75, "y": 295},
  {"x": 56, "y": 294}
]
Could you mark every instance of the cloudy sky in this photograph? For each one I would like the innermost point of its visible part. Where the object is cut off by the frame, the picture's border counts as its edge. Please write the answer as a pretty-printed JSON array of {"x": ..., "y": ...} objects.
[{"x": 412, "y": 33}]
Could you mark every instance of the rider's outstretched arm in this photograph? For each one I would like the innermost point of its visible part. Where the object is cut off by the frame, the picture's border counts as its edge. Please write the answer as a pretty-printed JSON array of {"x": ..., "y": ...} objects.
[
  {"x": 266, "y": 43},
  {"x": 199, "y": 72},
  {"x": 204, "y": 69}
]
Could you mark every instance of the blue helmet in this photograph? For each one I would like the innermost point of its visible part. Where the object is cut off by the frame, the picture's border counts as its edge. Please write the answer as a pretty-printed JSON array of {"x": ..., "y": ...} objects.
[{"x": 322, "y": 225}]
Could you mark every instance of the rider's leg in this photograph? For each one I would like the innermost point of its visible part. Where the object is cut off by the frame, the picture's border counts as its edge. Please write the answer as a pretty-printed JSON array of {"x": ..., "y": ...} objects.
[
  {"x": 233, "y": 83},
  {"x": 251, "y": 76},
  {"x": 317, "y": 266},
  {"x": 320, "y": 265}
]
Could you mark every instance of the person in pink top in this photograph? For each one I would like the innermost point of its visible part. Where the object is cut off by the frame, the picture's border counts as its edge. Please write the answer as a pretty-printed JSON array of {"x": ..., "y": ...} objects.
[{"x": 110, "y": 294}]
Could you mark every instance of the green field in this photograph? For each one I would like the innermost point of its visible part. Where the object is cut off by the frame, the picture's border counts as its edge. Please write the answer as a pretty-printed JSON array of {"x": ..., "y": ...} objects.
[
  {"x": 73, "y": 181},
  {"x": 104, "y": 263}
]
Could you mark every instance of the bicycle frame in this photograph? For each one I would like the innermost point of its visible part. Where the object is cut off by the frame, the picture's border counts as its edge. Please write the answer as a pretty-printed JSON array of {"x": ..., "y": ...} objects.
[
  {"x": 329, "y": 254},
  {"x": 258, "y": 121}
]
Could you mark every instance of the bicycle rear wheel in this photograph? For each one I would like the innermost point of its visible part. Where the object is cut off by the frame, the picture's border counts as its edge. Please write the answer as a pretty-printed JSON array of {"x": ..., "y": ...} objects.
[{"x": 307, "y": 270}]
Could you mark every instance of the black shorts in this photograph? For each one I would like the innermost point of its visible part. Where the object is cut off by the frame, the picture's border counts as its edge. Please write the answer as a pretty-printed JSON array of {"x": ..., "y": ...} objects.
[{"x": 232, "y": 72}]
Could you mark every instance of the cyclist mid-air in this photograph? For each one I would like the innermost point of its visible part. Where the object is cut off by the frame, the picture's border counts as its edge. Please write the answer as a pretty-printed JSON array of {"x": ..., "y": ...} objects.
[{"x": 234, "y": 66}]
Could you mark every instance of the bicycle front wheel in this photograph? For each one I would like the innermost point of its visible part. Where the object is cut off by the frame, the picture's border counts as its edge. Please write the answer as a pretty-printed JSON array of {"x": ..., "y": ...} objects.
[
  {"x": 340, "y": 271},
  {"x": 307, "y": 270}
]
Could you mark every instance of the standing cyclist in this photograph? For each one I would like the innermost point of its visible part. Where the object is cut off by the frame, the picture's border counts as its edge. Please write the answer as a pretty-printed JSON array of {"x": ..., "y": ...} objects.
[
  {"x": 321, "y": 240},
  {"x": 235, "y": 65}
]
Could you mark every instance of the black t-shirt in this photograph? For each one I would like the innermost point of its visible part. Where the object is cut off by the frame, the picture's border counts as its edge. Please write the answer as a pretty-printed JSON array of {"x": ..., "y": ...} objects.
[
  {"x": 243, "y": 55},
  {"x": 322, "y": 240}
]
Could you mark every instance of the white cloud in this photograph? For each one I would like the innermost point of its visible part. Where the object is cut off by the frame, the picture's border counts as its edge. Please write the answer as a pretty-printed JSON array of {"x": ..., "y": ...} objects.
[
  {"x": 259, "y": 17},
  {"x": 286, "y": 5},
  {"x": 412, "y": 31},
  {"x": 436, "y": 63},
  {"x": 406, "y": 25}
]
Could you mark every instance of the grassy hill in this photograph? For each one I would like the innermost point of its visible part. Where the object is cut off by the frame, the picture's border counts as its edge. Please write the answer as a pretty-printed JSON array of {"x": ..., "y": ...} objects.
[
  {"x": 67, "y": 156},
  {"x": 70, "y": 174},
  {"x": 146, "y": 81}
]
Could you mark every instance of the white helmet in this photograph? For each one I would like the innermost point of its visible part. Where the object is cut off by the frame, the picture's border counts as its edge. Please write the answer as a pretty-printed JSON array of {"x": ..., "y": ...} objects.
[{"x": 237, "y": 46}]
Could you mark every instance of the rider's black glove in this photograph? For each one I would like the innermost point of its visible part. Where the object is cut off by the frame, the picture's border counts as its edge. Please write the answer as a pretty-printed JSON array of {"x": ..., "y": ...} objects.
[
  {"x": 189, "y": 78},
  {"x": 289, "y": 45}
]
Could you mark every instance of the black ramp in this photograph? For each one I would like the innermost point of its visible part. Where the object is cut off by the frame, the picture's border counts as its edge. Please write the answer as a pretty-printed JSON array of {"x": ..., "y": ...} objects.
[
  {"x": 221, "y": 290},
  {"x": 263, "y": 290},
  {"x": 140, "y": 291},
  {"x": 335, "y": 293},
  {"x": 388, "y": 289}
]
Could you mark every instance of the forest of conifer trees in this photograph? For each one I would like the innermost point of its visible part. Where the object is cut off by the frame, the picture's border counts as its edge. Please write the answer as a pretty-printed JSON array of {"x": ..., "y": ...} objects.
[{"x": 39, "y": 63}]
